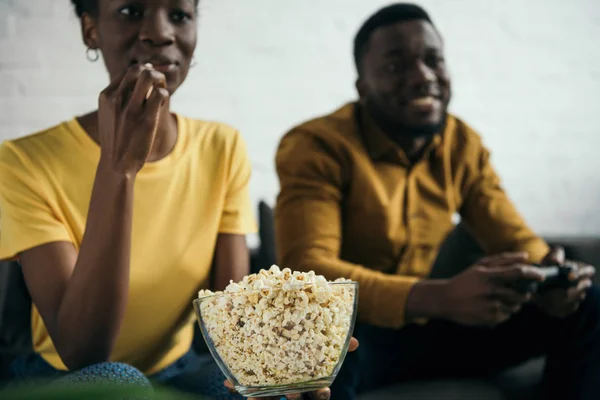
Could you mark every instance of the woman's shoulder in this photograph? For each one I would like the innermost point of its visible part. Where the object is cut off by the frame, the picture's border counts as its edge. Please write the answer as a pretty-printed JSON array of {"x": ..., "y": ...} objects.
[
  {"x": 213, "y": 136},
  {"x": 45, "y": 144},
  {"x": 215, "y": 130}
]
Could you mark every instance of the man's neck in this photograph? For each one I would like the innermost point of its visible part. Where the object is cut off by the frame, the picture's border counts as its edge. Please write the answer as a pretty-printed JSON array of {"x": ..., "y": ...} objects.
[{"x": 413, "y": 147}]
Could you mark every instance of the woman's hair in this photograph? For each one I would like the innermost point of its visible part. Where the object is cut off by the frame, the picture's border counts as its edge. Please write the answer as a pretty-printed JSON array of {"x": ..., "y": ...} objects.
[
  {"x": 89, "y": 7},
  {"x": 85, "y": 7}
]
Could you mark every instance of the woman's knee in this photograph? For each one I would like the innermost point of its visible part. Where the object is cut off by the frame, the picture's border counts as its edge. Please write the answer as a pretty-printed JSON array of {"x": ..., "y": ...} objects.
[{"x": 114, "y": 373}]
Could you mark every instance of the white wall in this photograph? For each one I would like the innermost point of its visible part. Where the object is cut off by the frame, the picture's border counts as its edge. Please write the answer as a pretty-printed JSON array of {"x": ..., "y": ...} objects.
[{"x": 526, "y": 75}]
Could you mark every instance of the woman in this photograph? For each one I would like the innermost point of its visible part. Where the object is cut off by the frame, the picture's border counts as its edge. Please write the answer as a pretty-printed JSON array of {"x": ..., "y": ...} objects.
[{"x": 120, "y": 216}]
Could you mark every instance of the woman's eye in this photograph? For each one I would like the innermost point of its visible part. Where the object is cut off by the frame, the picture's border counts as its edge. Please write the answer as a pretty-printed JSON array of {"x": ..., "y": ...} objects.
[{"x": 131, "y": 12}]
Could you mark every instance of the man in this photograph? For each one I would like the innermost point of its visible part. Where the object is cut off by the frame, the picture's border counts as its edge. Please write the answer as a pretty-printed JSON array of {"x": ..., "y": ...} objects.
[{"x": 369, "y": 192}]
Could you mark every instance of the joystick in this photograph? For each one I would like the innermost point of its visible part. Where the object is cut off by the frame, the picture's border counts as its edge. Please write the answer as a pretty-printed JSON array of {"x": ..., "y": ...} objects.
[{"x": 556, "y": 277}]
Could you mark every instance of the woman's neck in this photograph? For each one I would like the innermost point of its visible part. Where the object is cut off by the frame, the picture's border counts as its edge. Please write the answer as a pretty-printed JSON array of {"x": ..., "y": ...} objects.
[{"x": 164, "y": 142}]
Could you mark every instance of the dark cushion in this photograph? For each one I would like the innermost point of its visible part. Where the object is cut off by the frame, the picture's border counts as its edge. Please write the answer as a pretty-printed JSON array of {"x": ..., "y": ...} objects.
[
  {"x": 460, "y": 250},
  {"x": 515, "y": 384},
  {"x": 520, "y": 382},
  {"x": 15, "y": 315},
  {"x": 266, "y": 232},
  {"x": 439, "y": 389},
  {"x": 582, "y": 249}
]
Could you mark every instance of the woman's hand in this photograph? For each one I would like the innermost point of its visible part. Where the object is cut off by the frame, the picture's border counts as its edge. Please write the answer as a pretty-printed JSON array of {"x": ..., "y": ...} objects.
[
  {"x": 128, "y": 115},
  {"x": 69, "y": 285},
  {"x": 321, "y": 394}
]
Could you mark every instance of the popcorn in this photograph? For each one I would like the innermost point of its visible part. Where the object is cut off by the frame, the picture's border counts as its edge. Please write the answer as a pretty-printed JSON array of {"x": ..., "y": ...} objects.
[{"x": 279, "y": 327}]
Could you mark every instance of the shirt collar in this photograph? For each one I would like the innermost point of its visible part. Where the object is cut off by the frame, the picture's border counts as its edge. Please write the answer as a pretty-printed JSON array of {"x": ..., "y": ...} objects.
[{"x": 381, "y": 148}]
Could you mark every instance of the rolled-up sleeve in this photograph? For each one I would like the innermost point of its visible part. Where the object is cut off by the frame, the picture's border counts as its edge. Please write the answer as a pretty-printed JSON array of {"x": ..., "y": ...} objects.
[{"x": 309, "y": 227}]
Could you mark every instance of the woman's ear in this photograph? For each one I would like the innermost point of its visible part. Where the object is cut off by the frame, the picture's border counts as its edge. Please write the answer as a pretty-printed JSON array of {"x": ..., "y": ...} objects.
[{"x": 89, "y": 32}]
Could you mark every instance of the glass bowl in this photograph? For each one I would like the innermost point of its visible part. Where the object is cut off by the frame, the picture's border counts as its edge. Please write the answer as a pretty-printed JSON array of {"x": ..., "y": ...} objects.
[{"x": 273, "y": 342}]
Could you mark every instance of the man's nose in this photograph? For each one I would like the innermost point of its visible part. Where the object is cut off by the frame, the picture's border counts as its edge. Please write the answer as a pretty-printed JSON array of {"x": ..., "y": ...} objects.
[{"x": 421, "y": 73}]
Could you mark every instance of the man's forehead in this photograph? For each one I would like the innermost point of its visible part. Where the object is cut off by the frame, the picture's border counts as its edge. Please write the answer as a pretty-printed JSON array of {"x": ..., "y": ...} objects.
[
  {"x": 155, "y": 2},
  {"x": 405, "y": 35}
]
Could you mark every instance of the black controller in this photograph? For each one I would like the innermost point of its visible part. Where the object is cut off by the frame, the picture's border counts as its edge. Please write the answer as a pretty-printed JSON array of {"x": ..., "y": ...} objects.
[{"x": 557, "y": 277}]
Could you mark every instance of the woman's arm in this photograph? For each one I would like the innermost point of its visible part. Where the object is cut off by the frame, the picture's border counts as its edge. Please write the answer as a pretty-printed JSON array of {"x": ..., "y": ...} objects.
[
  {"x": 231, "y": 260},
  {"x": 82, "y": 296}
]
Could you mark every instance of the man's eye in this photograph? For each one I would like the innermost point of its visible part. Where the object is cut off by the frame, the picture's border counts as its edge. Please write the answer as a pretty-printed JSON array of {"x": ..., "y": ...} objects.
[
  {"x": 394, "y": 67},
  {"x": 180, "y": 16},
  {"x": 434, "y": 61}
]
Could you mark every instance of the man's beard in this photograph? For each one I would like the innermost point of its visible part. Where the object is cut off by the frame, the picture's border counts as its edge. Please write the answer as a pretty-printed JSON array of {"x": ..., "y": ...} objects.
[{"x": 394, "y": 128}]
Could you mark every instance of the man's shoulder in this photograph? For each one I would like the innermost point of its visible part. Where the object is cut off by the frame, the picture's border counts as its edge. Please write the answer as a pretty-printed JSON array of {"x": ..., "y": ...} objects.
[
  {"x": 338, "y": 122},
  {"x": 334, "y": 129},
  {"x": 459, "y": 130},
  {"x": 460, "y": 136}
]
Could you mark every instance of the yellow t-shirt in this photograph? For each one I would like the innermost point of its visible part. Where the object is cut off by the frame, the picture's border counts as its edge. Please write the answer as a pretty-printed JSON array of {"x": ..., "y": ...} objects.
[{"x": 181, "y": 203}]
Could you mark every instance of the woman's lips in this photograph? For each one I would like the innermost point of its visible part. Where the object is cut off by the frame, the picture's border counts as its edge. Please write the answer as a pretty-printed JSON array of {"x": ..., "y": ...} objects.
[
  {"x": 165, "y": 67},
  {"x": 159, "y": 64}
]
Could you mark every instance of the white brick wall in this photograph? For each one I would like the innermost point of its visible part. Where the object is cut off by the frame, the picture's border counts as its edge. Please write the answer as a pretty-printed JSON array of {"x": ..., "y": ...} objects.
[{"x": 526, "y": 75}]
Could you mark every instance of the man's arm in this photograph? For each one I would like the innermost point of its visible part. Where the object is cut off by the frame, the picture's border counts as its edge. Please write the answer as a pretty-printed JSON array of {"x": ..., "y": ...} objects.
[
  {"x": 490, "y": 214},
  {"x": 309, "y": 228},
  {"x": 496, "y": 223}
]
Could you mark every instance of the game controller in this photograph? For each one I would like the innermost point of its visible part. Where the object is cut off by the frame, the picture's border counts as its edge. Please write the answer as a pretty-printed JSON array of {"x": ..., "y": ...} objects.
[{"x": 556, "y": 277}]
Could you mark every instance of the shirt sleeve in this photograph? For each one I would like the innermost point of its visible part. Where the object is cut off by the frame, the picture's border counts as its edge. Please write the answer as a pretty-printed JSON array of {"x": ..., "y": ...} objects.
[
  {"x": 491, "y": 215},
  {"x": 309, "y": 228},
  {"x": 26, "y": 218},
  {"x": 237, "y": 217}
]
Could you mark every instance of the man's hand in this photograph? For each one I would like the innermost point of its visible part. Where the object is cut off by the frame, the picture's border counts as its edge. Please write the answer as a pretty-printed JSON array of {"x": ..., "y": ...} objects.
[
  {"x": 564, "y": 302},
  {"x": 321, "y": 394},
  {"x": 482, "y": 295}
]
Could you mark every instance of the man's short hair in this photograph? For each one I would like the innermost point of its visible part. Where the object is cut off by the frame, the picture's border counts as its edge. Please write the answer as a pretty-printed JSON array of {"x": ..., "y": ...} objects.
[{"x": 389, "y": 15}]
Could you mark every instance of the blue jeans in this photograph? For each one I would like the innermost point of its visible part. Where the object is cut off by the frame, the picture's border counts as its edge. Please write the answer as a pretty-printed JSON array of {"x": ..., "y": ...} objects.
[{"x": 192, "y": 373}]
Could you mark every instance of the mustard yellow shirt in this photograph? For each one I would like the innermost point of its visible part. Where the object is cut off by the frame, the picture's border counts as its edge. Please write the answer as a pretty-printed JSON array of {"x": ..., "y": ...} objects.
[
  {"x": 181, "y": 203},
  {"x": 352, "y": 205}
]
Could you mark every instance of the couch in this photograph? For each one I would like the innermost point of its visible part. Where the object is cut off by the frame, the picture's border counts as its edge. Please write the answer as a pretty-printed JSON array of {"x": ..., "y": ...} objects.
[
  {"x": 15, "y": 308},
  {"x": 459, "y": 251}
]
